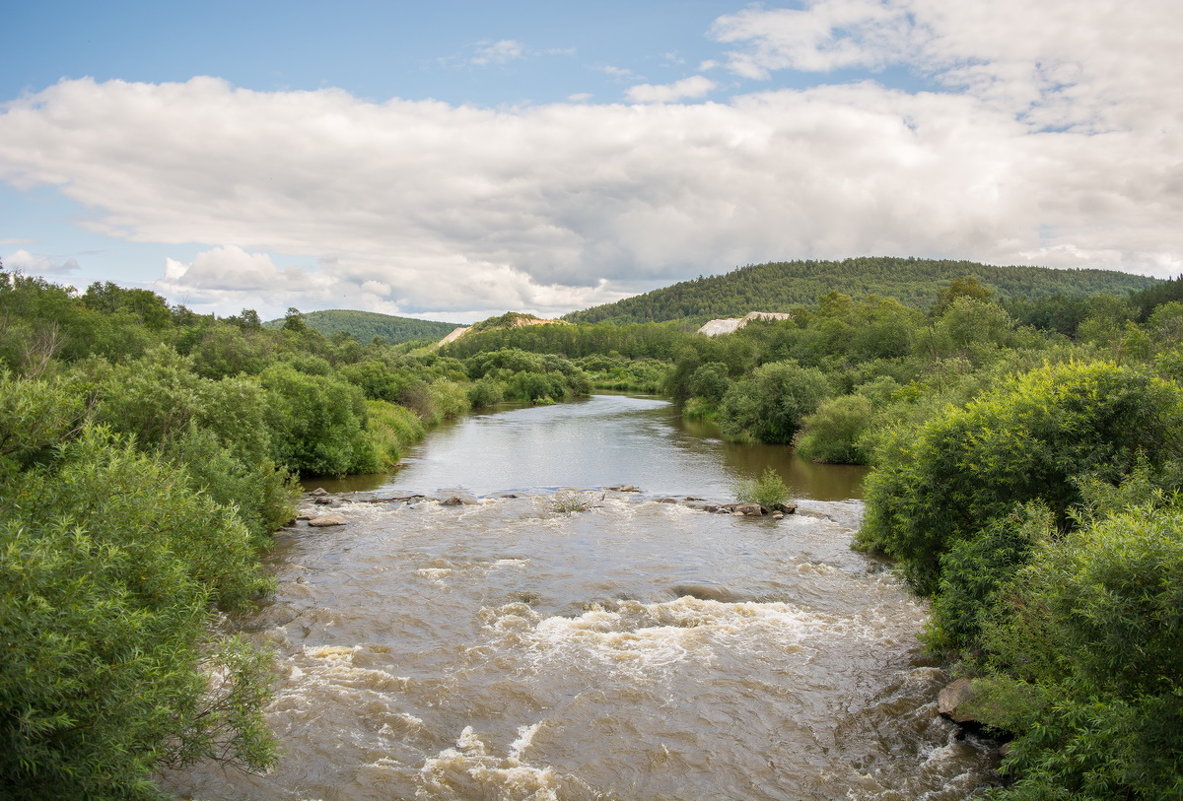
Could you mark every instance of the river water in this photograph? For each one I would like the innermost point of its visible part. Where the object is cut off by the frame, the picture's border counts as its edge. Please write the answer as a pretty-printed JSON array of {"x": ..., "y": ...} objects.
[{"x": 573, "y": 642}]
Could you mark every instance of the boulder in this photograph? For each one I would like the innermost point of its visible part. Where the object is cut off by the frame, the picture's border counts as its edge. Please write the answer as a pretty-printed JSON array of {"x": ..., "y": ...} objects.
[
  {"x": 955, "y": 701},
  {"x": 323, "y": 500},
  {"x": 328, "y": 520},
  {"x": 625, "y": 488},
  {"x": 319, "y": 491},
  {"x": 749, "y": 509},
  {"x": 784, "y": 508}
]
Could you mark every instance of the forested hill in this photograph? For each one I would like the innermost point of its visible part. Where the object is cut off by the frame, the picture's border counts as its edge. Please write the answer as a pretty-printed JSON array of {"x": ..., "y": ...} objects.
[
  {"x": 364, "y": 326},
  {"x": 778, "y": 286}
]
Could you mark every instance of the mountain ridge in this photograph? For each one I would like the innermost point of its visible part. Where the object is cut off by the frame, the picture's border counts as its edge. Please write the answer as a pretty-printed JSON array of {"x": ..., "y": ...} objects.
[{"x": 779, "y": 286}]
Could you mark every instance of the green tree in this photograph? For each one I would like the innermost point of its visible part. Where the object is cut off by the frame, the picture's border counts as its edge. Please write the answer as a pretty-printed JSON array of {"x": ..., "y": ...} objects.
[{"x": 770, "y": 404}]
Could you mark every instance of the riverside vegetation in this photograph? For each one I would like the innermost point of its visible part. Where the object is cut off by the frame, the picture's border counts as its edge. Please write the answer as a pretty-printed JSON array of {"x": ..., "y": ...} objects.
[{"x": 1026, "y": 463}]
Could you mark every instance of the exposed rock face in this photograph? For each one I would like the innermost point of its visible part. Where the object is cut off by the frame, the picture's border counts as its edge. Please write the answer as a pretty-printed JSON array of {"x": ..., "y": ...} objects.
[
  {"x": 455, "y": 335},
  {"x": 729, "y": 325}
]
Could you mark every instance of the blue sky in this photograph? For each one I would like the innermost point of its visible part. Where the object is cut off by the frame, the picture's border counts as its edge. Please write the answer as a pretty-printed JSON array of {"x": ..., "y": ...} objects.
[{"x": 457, "y": 159}]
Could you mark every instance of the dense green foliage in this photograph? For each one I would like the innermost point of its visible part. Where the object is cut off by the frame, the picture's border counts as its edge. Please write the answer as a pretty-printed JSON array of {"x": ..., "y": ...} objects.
[
  {"x": 770, "y": 404},
  {"x": 778, "y": 286},
  {"x": 367, "y": 326},
  {"x": 109, "y": 565},
  {"x": 1027, "y": 440},
  {"x": 1086, "y": 664}
]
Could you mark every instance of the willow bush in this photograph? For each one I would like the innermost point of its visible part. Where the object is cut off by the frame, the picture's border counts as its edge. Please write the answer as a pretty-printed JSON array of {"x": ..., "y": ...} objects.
[
  {"x": 110, "y": 565},
  {"x": 1030, "y": 439},
  {"x": 1086, "y": 665}
]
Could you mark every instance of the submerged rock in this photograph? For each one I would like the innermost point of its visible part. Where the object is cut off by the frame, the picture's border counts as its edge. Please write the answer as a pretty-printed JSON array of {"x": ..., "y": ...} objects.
[
  {"x": 458, "y": 499},
  {"x": 328, "y": 520}
]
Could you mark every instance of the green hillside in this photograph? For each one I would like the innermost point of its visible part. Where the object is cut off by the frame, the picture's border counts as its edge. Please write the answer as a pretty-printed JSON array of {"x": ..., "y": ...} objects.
[
  {"x": 778, "y": 286},
  {"x": 364, "y": 326}
]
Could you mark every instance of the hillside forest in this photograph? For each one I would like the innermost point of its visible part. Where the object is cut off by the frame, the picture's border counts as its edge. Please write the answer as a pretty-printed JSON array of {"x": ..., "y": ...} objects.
[{"x": 1026, "y": 447}]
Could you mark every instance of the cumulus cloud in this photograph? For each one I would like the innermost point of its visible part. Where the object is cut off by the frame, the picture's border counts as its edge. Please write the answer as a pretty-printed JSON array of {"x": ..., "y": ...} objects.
[
  {"x": 227, "y": 278},
  {"x": 1053, "y": 150},
  {"x": 694, "y": 86},
  {"x": 34, "y": 264}
]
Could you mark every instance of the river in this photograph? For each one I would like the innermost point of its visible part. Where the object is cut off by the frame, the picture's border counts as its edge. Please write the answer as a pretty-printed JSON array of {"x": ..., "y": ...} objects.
[{"x": 634, "y": 649}]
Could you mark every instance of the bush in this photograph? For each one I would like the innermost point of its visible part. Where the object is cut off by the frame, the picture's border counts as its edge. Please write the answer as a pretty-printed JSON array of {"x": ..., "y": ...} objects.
[
  {"x": 1027, "y": 440},
  {"x": 485, "y": 393},
  {"x": 108, "y": 564},
  {"x": 833, "y": 433},
  {"x": 710, "y": 382},
  {"x": 974, "y": 572},
  {"x": 392, "y": 428},
  {"x": 770, "y": 404},
  {"x": 1087, "y": 666},
  {"x": 769, "y": 491},
  {"x": 317, "y": 423}
]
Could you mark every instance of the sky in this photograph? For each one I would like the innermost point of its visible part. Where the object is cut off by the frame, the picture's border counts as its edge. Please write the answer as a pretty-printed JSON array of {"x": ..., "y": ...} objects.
[{"x": 457, "y": 159}]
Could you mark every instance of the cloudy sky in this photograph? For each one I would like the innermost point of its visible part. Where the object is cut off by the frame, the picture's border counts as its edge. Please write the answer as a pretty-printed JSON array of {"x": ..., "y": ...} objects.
[{"x": 457, "y": 159}]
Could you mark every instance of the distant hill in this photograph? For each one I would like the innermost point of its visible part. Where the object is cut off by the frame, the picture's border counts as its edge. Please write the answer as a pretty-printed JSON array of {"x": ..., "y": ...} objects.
[
  {"x": 364, "y": 326},
  {"x": 778, "y": 286}
]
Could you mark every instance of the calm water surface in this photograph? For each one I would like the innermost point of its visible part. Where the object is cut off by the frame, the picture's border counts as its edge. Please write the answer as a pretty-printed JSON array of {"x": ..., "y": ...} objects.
[
  {"x": 603, "y": 441},
  {"x": 634, "y": 650}
]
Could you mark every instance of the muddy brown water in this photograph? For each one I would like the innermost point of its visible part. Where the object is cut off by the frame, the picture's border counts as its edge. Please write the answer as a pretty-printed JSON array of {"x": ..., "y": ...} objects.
[{"x": 636, "y": 649}]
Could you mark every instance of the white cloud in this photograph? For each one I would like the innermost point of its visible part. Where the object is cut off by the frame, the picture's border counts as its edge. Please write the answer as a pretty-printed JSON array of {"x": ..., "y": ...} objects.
[
  {"x": 694, "y": 86},
  {"x": 1061, "y": 150},
  {"x": 1056, "y": 63},
  {"x": 228, "y": 278},
  {"x": 33, "y": 264},
  {"x": 499, "y": 52},
  {"x": 620, "y": 73},
  {"x": 826, "y": 35}
]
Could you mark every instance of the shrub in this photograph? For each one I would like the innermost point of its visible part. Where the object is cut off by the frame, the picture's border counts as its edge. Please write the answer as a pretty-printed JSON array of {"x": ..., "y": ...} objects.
[
  {"x": 769, "y": 490},
  {"x": 317, "y": 423},
  {"x": 485, "y": 393},
  {"x": 392, "y": 428},
  {"x": 1026, "y": 440},
  {"x": 108, "y": 564},
  {"x": 710, "y": 382},
  {"x": 770, "y": 404},
  {"x": 1087, "y": 666},
  {"x": 833, "y": 433}
]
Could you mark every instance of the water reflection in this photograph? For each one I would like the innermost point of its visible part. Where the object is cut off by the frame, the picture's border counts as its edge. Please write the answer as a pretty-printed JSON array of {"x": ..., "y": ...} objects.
[{"x": 601, "y": 441}]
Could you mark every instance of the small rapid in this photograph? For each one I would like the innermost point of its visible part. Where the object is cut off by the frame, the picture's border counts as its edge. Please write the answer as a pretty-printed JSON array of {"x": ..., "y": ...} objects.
[{"x": 510, "y": 649}]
